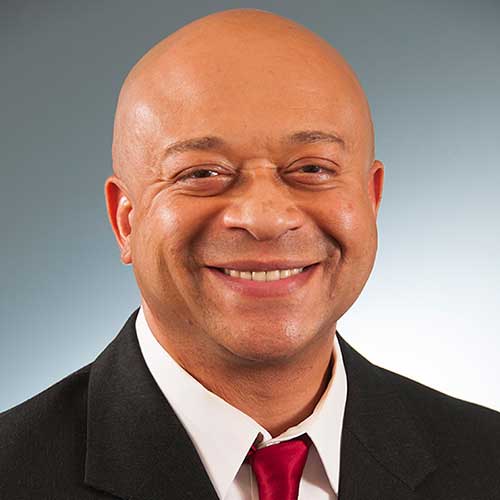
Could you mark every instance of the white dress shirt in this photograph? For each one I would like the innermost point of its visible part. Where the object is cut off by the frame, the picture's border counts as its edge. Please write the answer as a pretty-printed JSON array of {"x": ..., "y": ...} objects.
[{"x": 222, "y": 434}]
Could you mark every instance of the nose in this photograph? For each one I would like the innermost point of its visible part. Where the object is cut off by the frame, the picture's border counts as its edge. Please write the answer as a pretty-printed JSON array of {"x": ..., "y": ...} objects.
[{"x": 264, "y": 208}]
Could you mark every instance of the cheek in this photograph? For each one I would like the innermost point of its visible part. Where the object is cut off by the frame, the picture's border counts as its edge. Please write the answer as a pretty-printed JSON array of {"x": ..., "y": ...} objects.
[
  {"x": 173, "y": 226},
  {"x": 163, "y": 245},
  {"x": 348, "y": 220}
]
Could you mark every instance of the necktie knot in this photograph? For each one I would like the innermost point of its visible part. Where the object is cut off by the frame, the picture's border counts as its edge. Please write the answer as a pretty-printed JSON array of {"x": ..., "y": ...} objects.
[{"x": 278, "y": 468}]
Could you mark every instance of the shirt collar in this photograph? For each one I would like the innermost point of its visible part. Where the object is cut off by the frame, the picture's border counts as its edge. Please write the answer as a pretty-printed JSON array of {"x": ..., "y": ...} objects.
[{"x": 222, "y": 434}]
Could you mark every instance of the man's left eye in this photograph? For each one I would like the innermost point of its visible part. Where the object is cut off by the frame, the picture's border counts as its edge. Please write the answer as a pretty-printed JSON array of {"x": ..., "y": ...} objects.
[
  {"x": 314, "y": 168},
  {"x": 311, "y": 169}
]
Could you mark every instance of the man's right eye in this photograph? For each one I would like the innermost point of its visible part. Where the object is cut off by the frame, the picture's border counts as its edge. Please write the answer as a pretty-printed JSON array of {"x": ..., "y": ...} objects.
[{"x": 200, "y": 173}]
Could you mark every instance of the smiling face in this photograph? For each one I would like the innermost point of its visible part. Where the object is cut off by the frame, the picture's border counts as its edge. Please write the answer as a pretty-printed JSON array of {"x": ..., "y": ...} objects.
[{"x": 239, "y": 148}]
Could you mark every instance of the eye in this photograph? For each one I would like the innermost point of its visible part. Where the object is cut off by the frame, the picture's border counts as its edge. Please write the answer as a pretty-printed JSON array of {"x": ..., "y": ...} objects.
[
  {"x": 204, "y": 180},
  {"x": 313, "y": 173},
  {"x": 200, "y": 173},
  {"x": 311, "y": 169}
]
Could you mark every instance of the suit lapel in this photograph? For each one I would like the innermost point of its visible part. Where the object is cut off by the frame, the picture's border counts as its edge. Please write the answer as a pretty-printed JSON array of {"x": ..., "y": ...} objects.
[
  {"x": 383, "y": 455},
  {"x": 136, "y": 447}
]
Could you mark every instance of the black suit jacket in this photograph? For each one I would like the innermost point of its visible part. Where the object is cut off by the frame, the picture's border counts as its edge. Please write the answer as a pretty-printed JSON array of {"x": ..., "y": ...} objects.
[{"x": 106, "y": 431}]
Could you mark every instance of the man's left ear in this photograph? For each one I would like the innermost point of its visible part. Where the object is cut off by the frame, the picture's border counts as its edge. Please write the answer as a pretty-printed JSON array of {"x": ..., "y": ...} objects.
[{"x": 376, "y": 184}]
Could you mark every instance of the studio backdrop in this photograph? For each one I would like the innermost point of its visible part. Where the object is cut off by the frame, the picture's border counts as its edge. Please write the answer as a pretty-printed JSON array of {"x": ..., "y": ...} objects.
[{"x": 431, "y": 70}]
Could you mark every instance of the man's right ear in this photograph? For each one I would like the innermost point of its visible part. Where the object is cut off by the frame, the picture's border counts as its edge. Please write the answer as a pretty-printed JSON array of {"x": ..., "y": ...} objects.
[{"x": 119, "y": 210}]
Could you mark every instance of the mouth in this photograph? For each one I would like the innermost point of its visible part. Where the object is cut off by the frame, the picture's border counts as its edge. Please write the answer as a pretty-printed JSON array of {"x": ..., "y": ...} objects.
[
  {"x": 264, "y": 275},
  {"x": 264, "y": 282}
]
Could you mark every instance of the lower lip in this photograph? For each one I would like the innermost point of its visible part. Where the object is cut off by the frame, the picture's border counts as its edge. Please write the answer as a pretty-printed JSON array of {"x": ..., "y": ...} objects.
[{"x": 276, "y": 288}]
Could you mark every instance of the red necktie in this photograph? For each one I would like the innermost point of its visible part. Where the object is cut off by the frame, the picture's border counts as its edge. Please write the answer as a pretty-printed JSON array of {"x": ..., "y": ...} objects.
[{"x": 278, "y": 468}]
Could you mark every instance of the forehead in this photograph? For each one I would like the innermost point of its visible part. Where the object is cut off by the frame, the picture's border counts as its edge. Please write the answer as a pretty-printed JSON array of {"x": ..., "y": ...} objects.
[
  {"x": 260, "y": 108},
  {"x": 248, "y": 90}
]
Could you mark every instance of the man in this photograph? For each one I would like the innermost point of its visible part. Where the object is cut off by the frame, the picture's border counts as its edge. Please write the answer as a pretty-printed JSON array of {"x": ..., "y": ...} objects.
[{"x": 244, "y": 194}]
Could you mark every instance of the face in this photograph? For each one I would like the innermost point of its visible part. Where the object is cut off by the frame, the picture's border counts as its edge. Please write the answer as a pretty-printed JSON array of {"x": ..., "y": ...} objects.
[{"x": 248, "y": 170}]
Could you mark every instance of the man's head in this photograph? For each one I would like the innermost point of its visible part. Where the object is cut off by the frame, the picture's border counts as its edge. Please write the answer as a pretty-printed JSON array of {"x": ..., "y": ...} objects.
[{"x": 278, "y": 173}]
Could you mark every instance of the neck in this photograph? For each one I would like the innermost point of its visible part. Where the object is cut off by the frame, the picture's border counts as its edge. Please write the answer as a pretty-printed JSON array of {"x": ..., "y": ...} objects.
[
  {"x": 277, "y": 395},
  {"x": 277, "y": 400}
]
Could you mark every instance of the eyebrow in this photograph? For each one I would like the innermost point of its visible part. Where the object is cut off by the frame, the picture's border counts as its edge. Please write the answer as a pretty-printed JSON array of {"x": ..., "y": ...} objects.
[
  {"x": 196, "y": 144},
  {"x": 309, "y": 136},
  {"x": 210, "y": 142}
]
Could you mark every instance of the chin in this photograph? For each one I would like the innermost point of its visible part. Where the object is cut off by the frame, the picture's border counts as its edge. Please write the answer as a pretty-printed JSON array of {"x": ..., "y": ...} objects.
[{"x": 268, "y": 344}]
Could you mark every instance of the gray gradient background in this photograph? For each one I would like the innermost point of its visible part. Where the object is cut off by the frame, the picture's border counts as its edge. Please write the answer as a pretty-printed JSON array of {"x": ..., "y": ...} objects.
[{"x": 431, "y": 70}]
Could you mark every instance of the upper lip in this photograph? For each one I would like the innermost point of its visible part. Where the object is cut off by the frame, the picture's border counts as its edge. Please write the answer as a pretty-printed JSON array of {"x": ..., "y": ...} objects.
[{"x": 255, "y": 265}]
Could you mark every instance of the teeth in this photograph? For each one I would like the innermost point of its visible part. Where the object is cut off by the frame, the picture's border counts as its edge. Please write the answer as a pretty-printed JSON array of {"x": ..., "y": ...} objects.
[{"x": 274, "y": 275}]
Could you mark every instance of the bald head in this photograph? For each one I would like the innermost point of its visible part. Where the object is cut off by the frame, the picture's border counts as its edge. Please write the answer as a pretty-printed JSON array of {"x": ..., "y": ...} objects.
[{"x": 227, "y": 66}]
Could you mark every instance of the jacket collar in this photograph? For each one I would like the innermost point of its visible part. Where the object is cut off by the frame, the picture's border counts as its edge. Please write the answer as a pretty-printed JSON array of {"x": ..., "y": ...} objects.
[
  {"x": 137, "y": 448},
  {"x": 383, "y": 450}
]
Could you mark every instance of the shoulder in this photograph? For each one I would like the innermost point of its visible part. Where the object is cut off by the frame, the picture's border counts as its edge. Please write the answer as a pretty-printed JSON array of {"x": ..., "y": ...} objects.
[
  {"x": 441, "y": 416},
  {"x": 441, "y": 411},
  {"x": 463, "y": 434},
  {"x": 46, "y": 411},
  {"x": 44, "y": 437}
]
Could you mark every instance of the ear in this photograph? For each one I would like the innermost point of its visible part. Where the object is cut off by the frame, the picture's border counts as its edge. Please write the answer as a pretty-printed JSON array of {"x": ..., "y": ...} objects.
[
  {"x": 376, "y": 184},
  {"x": 119, "y": 210}
]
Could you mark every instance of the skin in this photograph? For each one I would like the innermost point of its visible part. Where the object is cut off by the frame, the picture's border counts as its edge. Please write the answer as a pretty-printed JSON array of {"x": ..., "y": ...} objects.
[{"x": 251, "y": 78}]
